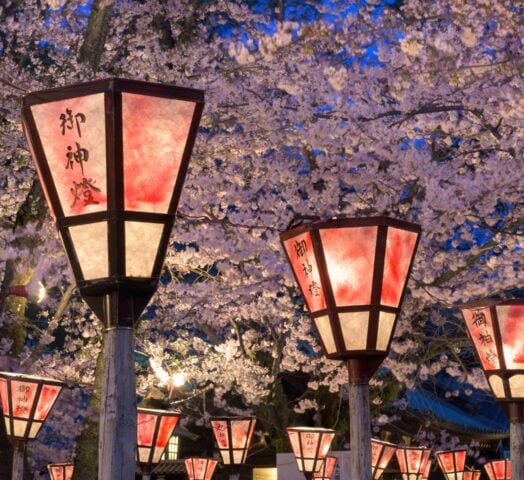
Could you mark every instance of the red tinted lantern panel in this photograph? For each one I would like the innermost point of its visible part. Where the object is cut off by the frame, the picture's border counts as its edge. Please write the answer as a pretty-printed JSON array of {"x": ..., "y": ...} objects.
[
  {"x": 472, "y": 475},
  {"x": 498, "y": 470},
  {"x": 154, "y": 429},
  {"x": 60, "y": 471},
  {"x": 200, "y": 468},
  {"x": 511, "y": 319},
  {"x": 381, "y": 454},
  {"x": 412, "y": 461},
  {"x": 327, "y": 470},
  {"x": 452, "y": 463},
  {"x": 233, "y": 437}
]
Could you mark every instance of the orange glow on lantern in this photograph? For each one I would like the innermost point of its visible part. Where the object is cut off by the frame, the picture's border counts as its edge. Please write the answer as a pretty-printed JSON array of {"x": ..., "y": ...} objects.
[
  {"x": 310, "y": 446},
  {"x": 472, "y": 474},
  {"x": 412, "y": 461},
  {"x": 200, "y": 468},
  {"x": 26, "y": 402},
  {"x": 154, "y": 429},
  {"x": 498, "y": 469},
  {"x": 233, "y": 436},
  {"x": 452, "y": 463},
  {"x": 381, "y": 454},
  {"x": 60, "y": 471}
]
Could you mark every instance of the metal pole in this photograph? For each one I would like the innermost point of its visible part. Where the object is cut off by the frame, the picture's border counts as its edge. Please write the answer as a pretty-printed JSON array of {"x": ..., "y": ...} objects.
[
  {"x": 360, "y": 422},
  {"x": 117, "y": 442},
  {"x": 18, "y": 461}
]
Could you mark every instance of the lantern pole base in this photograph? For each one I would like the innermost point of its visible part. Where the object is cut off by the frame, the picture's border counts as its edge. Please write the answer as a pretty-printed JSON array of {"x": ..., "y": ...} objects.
[
  {"x": 17, "y": 472},
  {"x": 516, "y": 441},
  {"x": 118, "y": 430},
  {"x": 359, "y": 417}
]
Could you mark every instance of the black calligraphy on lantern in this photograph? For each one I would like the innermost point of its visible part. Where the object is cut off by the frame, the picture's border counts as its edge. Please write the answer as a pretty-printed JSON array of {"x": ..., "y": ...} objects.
[
  {"x": 307, "y": 268},
  {"x": 84, "y": 191},
  {"x": 491, "y": 356},
  {"x": 314, "y": 289},
  {"x": 479, "y": 319},
  {"x": 68, "y": 121},
  {"x": 485, "y": 338},
  {"x": 80, "y": 156},
  {"x": 22, "y": 400},
  {"x": 300, "y": 248}
]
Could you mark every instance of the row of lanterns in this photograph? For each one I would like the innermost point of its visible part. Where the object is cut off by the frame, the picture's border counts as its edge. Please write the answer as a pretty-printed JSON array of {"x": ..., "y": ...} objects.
[{"x": 311, "y": 447}]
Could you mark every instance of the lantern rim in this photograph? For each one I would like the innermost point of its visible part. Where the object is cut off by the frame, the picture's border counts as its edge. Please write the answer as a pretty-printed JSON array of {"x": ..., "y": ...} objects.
[
  {"x": 489, "y": 303},
  {"x": 451, "y": 451},
  {"x": 351, "y": 222},
  {"x": 30, "y": 378},
  {"x": 311, "y": 429},
  {"x": 159, "y": 412},
  {"x": 60, "y": 464},
  {"x": 384, "y": 442},
  {"x": 110, "y": 84},
  {"x": 226, "y": 418}
]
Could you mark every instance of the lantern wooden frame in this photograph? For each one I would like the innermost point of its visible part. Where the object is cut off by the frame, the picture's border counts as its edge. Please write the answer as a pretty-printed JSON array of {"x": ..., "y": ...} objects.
[
  {"x": 136, "y": 291},
  {"x": 498, "y": 469},
  {"x": 418, "y": 455},
  {"x": 452, "y": 463},
  {"x": 150, "y": 450},
  {"x": 60, "y": 471},
  {"x": 43, "y": 387},
  {"x": 233, "y": 448},
  {"x": 327, "y": 470},
  {"x": 208, "y": 471},
  {"x": 299, "y": 437},
  {"x": 362, "y": 360},
  {"x": 381, "y": 454}
]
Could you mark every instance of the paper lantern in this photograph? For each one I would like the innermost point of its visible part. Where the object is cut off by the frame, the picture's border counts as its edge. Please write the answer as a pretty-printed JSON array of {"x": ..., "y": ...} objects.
[
  {"x": 154, "y": 429},
  {"x": 200, "y": 468},
  {"x": 26, "y": 402},
  {"x": 381, "y": 454},
  {"x": 412, "y": 461},
  {"x": 310, "y": 446},
  {"x": 327, "y": 469},
  {"x": 60, "y": 471},
  {"x": 233, "y": 436},
  {"x": 498, "y": 469},
  {"x": 452, "y": 463},
  {"x": 472, "y": 474}
]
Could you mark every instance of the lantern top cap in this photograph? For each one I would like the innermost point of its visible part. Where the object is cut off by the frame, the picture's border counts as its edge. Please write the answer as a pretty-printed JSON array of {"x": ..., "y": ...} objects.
[
  {"x": 409, "y": 447},
  {"x": 383, "y": 442},
  {"x": 438, "y": 452},
  {"x": 351, "y": 222},
  {"x": 310, "y": 429},
  {"x": 113, "y": 84},
  {"x": 491, "y": 303},
  {"x": 64, "y": 464},
  {"x": 30, "y": 378},
  {"x": 155, "y": 411},
  {"x": 225, "y": 418}
]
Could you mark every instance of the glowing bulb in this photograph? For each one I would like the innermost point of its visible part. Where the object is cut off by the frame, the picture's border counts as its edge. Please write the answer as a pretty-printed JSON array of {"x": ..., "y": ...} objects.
[
  {"x": 41, "y": 292},
  {"x": 178, "y": 379}
]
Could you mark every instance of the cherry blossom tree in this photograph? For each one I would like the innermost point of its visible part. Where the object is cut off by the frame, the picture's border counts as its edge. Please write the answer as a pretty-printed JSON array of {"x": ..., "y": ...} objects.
[{"x": 313, "y": 110}]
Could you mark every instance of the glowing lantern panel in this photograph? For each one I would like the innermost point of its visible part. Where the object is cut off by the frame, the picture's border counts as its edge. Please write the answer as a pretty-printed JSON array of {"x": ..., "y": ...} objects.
[
  {"x": 381, "y": 454},
  {"x": 233, "y": 436},
  {"x": 352, "y": 274},
  {"x": 499, "y": 343},
  {"x": 498, "y": 470},
  {"x": 327, "y": 470},
  {"x": 154, "y": 429},
  {"x": 472, "y": 475},
  {"x": 452, "y": 463},
  {"x": 427, "y": 470},
  {"x": 310, "y": 446},
  {"x": 412, "y": 461},
  {"x": 200, "y": 468},
  {"x": 112, "y": 156},
  {"x": 60, "y": 471},
  {"x": 26, "y": 402}
]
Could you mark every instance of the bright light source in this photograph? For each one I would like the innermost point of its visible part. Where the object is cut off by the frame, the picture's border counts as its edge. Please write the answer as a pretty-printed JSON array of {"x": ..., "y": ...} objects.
[
  {"x": 178, "y": 379},
  {"x": 41, "y": 292}
]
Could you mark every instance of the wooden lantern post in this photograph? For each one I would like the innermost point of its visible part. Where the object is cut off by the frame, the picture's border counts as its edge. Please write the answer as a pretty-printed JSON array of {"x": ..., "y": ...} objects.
[
  {"x": 112, "y": 156},
  {"x": 352, "y": 274},
  {"x": 26, "y": 402},
  {"x": 496, "y": 330},
  {"x": 310, "y": 447}
]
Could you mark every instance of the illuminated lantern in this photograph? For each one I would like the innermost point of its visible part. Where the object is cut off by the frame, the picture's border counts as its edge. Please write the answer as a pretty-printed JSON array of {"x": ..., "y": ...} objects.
[
  {"x": 200, "y": 468},
  {"x": 352, "y": 274},
  {"x": 427, "y": 470},
  {"x": 472, "y": 474},
  {"x": 412, "y": 461},
  {"x": 327, "y": 470},
  {"x": 26, "y": 402},
  {"x": 381, "y": 454},
  {"x": 60, "y": 471},
  {"x": 154, "y": 429},
  {"x": 310, "y": 447},
  {"x": 112, "y": 156},
  {"x": 452, "y": 463},
  {"x": 498, "y": 470},
  {"x": 233, "y": 436}
]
